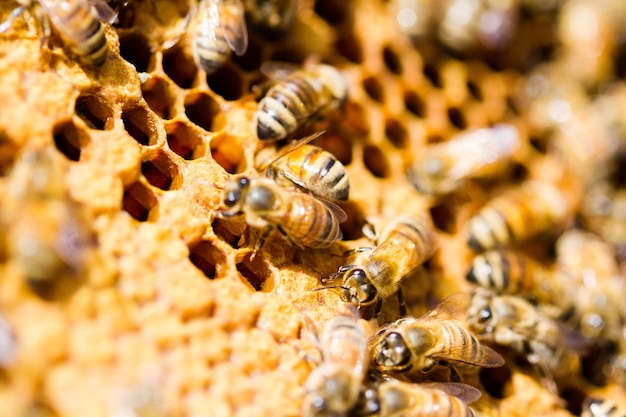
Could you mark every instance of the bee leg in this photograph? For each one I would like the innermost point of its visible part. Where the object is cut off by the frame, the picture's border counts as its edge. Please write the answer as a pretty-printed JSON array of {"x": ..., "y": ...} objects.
[
  {"x": 339, "y": 272},
  {"x": 17, "y": 12},
  {"x": 401, "y": 302}
]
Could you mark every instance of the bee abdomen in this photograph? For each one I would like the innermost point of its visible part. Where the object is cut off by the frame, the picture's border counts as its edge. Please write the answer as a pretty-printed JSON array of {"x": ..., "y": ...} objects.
[
  {"x": 210, "y": 49},
  {"x": 328, "y": 174},
  {"x": 311, "y": 223}
]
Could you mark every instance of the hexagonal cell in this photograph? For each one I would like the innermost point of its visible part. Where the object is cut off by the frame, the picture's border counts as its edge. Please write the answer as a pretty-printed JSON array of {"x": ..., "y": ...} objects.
[
  {"x": 227, "y": 153},
  {"x": 350, "y": 48},
  {"x": 338, "y": 146},
  {"x": 495, "y": 380},
  {"x": 95, "y": 111},
  {"x": 180, "y": 67},
  {"x": 334, "y": 12},
  {"x": 256, "y": 273},
  {"x": 376, "y": 162},
  {"x": 227, "y": 82},
  {"x": 414, "y": 104},
  {"x": 443, "y": 217},
  {"x": 374, "y": 89},
  {"x": 69, "y": 139},
  {"x": 207, "y": 258},
  {"x": 141, "y": 124},
  {"x": 184, "y": 141},
  {"x": 432, "y": 73},
  {"x": 455, "y": 115},
  {"x": 225, "y": 230},
  {"x": 396, "y": 133},
  {"x": 135, "y": 48},
  {"x": 253, "y": 57},
  {"x": 392, "y": 60},
  {"x": 201, "y": 109},
  {"x": 160, "y": 170},
  {"x": 159, "y": 95},
  {"x": 474, "y": 90},
  {"x": 138, "y": 200}
]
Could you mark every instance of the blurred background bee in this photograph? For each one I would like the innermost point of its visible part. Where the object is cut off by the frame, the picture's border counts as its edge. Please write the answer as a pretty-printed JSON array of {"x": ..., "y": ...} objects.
[
  {"x": 306, "y": 167},
  {"x": 303, "y": 220},
  {"x": 272, "y": 18},
  {"x": 406, "y": 243},
  {"x": 78, "y": 23},
  {"x": 297, "y": 98},
  {"x": 443, "y": 167},
  {"x": 398, "y": 398},
  {"x": 602, "y": 407},
  {"x": 333, "y": 387},
  {"x": 417, "y": 345}
]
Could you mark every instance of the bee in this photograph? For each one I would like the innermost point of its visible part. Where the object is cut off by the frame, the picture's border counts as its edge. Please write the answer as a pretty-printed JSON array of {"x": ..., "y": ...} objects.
[
  {"x": 301, "y": 218},
  {"x": 393, "y": 398},
  {"x": 309, "y": 168},
  {"x": 407, "y": 242},
  {"x": 510, "y": 272},
  {"x": 272, "y": 17},
  {"x": 419, "y": 344},
  {"x": 298, "y": 97},
  {"x": 443, "y": 167},
  {"x": 518, "y": 214},
  {"x": 79, "y": 23},
  {"x": 333, "y": 387},
  {"x": 601, "y": 407},
  {"x": 511, "y": 321}
]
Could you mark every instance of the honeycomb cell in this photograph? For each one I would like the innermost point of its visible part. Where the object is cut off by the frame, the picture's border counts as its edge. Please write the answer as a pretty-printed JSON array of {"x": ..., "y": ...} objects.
[
  {"x": 141, "y": 124},
  {"x": 539, "y": 143},
  {"x": 255, "y": 272},
  {"x": 574, "y": 397},
  {"x": 456, "y": 117},
  {"x": 352, "y": 228},
  {"x": 474, "y": 90},
  {"x": 338, "y": 146},
  {"x": 227, "y": 82},
  {"x": 160, "y": 97},
  {"x": 135, "y": 48},
  {"x": 374, "y": 89},
  {"x": 207, "y": 258},
  {"x": 495, "y": 380},
  {"x": 201, "y": 109},
  {"x": 8, "y": 151},
  {"x": 396, "y": 133},
  {"x": 69, "y": 139},
  {"x": 376, "y": 162},
  {"x": 227, "y": 153},
  {"x": 334, "y": 12},
  {"x": 349, "y": 47},
  {"x": 160, "y": 170},
  {"x": 223, "y": 230},
  {"x": 138, "y": 200},
  {"x": 392, "y": 60},
  {"x": 95, "y": 111},
  {"x": 432, "y": 74},
  {"x": 443, "y": 217},
  {"x": 253, "y": 57},
  {"x": 180, "y": 67},
  {"x": 184, "y": 141},
  {"x": 414, "y": 104}
]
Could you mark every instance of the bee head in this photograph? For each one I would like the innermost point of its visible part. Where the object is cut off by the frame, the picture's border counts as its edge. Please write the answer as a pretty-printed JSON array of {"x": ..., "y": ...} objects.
[
  {"x": 393, "y": 352},
  {"x": 359, "y": 287}
]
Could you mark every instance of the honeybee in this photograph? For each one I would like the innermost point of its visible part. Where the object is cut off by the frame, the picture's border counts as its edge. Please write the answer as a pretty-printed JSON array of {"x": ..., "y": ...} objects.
[
  {"x": 518, "y": 214},
  {"x": 333, "y": 387},
  {"x": 309, "y": 168},
  {"x": 511, "y": 321},
  {"x": 298, "y": 97},
  {"x": 393, "y": 398},
  {"x": 601, "y": 407},
  {"x": 272, "y": 17},
  {"x": 77, "y": 21},
  {"x": 443, "y": 167},
  {"x": 407, "y": 242},
  {"x": 419, "y": 344},
  {"x": 511, "y": 272},
  {"x": 301, "y": 218}
]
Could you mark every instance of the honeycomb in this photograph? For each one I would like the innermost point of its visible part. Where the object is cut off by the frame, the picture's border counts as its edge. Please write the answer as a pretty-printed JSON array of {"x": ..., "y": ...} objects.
[{"x": 167, "y": 312}]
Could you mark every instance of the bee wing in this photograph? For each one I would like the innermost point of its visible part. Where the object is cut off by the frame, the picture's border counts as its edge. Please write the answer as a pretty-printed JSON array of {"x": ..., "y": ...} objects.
[
  {"x": 337, "y": 211},
  {"x": 452, "y": 307},
  {"x": 276, "y": 70},
  {"x": 485, "y": 357},
  {"x": 228, "y": 15},
  {"x": 288, "y": 149},
  {"x": 466, "y": 393},
  {"x": 104, "y": 12}
]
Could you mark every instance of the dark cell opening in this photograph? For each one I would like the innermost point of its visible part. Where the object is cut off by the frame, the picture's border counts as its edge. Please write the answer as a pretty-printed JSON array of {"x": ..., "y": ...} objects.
[
  {"x": 255, "y": 272},
  {"x": 227, "y": 82},
  {"x": 574, "y": 397},
  {"x": 474, "y": 90},
  {"x": 200, "y": 108},
  {"x": 141, "y": 125},
  {"x": 414, "y": 104},
  {"x": 443, "y": 217},
  {"x": 207, "y": 258},
  {"x": 392, "y": 60},
  {"x": 512, "y": 106},
  {"x": 135, "y": 49},
  {"x": 349, "y": 47},
  {"x": 138, "y": 200},
  {"x": 222, "y": 229},
  {"x": 495, "y": 380},
  {"x": 253, "y": 57},
  {"x": 432, "y": 73},
  {"x": 160, "y": 171},
  {"x": 334, "y": 12},
  {"x": 293, "y": 56},
  {"x": 339, "y": 146},
  {"x": 352, "y": 228},
  {"x": 180, "y": 67},
  {"x": 456, "y": 117},
  {"x": 374, "y": 89},
  {"x": 539, "y": 143},
  {"x": 396, "y": 133},
  {"x": 94, "y": 111},
  {"x": 69, "y": 140},
  {"x": 183, "y": 140},
  {"x": 376, "y": 162},
  {"x": 159, "y": 96}
]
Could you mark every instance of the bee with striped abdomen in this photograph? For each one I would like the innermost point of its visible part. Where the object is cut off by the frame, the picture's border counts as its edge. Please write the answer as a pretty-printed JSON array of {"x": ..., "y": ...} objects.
[
  {"x": 303, "y": 219},
  {"x": 417, "y": 345},
  {"x": 298, "y": 97},
  {"x": 406, "y": 243},
  {"x": 271, "y": 17},
  {"x": 78, "y": 22}
]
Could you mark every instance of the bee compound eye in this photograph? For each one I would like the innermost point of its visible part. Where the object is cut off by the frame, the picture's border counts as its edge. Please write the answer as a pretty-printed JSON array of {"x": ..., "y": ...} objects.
[
  {"x": 393, "y": 351},
  {"x": 231, "y": 198},
  {"x": 484, "y": 315},
  {"x": 243, "y": 182}
]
